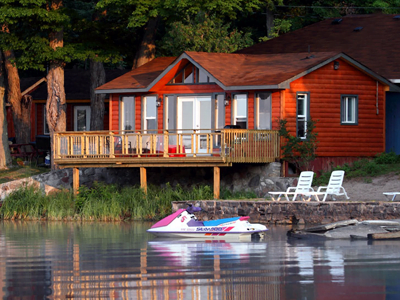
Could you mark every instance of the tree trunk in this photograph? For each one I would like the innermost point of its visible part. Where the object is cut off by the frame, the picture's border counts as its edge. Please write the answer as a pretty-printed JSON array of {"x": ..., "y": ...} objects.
[
  {"x": 5, "y": 157},
  {"x": 21, "y": 107},
  {"x": 147, "y": 48},
  {"x": 97, "y": 78},
  {"x": 269, "y": 21},
  {"x": 56, "y": 104}
]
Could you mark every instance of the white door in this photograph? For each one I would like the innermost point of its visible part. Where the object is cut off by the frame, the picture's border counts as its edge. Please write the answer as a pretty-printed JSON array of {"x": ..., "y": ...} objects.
[
  {"x": 81, "y": 118},
  {"x": 194, "y": 114}
]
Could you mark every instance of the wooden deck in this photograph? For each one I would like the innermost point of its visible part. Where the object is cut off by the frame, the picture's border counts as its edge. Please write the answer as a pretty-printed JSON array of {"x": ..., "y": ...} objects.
[
  {"x": 189, "y": 148},
  {"x": 167, "y": 149}
]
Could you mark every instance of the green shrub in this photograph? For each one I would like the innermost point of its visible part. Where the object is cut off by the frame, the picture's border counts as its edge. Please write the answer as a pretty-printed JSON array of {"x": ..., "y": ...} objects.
[{"x": 387, "y": 158}]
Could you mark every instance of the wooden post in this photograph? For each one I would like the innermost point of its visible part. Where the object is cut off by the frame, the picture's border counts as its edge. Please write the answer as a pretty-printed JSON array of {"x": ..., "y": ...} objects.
[
  {"x": 143, "y": 179},
  {"x": 217, "y": 187},
  {"x": 75, "y": 180}
]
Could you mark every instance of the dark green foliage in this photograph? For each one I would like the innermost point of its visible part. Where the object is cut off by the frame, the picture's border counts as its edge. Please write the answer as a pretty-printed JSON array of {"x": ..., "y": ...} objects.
[
  {"x": 103, "y": 202},
  {"x": 203, "y": 33},
  {"x": 300, "y": 152},
  {"x": 387, "y": 158}
]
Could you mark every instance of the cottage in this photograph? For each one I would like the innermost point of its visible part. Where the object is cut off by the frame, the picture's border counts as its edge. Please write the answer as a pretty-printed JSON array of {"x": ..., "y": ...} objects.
[
  {"x": 373, "y": 40},
  {"x": 206, "y": 92}
]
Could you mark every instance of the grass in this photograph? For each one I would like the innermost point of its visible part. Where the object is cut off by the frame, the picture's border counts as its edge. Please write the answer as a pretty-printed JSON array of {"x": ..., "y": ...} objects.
[
  {"x": 383, "y": 163},
  {"x": 111, "y": 203},
  {"x": 18, "y": 172},
  {"x": 102, "y": 202}
]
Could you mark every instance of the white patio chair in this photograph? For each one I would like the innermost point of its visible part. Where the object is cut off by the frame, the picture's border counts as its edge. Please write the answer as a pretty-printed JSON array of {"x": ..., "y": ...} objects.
[
  {"x": 303, "y": 185},
  {"x": 391, "y": 195},
  {"x": 334, "y": 187}
]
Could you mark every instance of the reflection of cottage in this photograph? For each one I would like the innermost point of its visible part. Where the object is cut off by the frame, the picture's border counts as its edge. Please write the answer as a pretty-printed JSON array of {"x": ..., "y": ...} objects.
[
  {"x": 373, "y": 40},
  {"x": 77, "y": 91}
]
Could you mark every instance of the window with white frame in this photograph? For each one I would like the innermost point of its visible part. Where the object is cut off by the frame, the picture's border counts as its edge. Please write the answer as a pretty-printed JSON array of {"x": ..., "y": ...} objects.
[
  {"x": 240, "y": 110},
  {"x": 349, "y": 109},
  {"x": 150, "y": 112},
  {"x": 302, "y": 114},
  {"x": 263, "y": 111},
  {"x": 127, "y": 113}
]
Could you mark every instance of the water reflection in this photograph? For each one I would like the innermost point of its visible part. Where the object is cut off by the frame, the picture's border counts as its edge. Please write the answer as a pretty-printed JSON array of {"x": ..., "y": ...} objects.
[{"x": 121, "y": 261}]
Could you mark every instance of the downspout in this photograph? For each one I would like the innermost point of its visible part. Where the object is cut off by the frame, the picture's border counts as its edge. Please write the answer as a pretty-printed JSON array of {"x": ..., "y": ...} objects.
[{"x": 377, "y": 97}]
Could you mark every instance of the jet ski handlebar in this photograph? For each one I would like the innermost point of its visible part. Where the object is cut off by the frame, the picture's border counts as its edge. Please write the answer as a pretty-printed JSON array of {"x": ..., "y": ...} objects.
[{"x": 192, "y": 209}]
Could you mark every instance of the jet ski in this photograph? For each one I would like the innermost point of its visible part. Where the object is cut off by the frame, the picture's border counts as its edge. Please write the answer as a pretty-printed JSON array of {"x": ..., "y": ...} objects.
[{"x": 183, "y": 223}]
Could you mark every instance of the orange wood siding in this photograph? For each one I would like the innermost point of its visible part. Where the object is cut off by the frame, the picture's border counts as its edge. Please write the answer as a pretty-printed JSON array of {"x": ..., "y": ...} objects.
[
  {"x": 114, "y": 108},
  {"x": 250, "y": 110},
  {"x": 160, "y": 114},
  {"x": 40, "y": 118},
  {"x": 138, "y": 112},
  {"x": 276, "y": 109},
  {"x": 10, "y": 122},
  {"x": 325, "y": 87},
  {"x": 70, "y": 117},
  {"x": 228, "y": 113}
]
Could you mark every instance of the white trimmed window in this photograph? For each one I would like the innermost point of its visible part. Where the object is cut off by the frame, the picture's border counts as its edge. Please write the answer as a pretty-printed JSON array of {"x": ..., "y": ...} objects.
[
  {"x": 127, "y": 113},
  {"x": 349, "y": 110},
  {"x": 150, "y": 113},
  {"x": 240, "y": 110},
  {"x": 263, "y": 111},
  {"x": 302, "y": 114}
]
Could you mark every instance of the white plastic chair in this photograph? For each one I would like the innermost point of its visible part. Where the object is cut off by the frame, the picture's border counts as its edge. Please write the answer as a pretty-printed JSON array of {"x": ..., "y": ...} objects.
[
  {"x": 334, "y": 187},
  {"x": 391, "y": 195},
  {"x": 303, "y": 185}
]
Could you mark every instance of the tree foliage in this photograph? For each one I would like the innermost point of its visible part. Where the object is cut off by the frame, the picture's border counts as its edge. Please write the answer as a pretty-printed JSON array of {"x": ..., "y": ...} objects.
[
  {"x": 300, "y": 152},
  {"x": 203, "y": 34}
]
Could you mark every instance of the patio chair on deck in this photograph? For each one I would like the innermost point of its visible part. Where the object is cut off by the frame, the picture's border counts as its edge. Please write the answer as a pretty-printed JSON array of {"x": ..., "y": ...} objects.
[
  {"x": 334, "y": 187},
  {"x": 303, "y": 185}
]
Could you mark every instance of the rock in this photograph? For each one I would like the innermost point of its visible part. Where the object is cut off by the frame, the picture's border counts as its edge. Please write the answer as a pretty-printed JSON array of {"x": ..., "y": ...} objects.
[
  {"x": 381, "y": 222},
  {"x": 255, "y": 181},
  {"x": 384, "y": 236},
  {"x": 331, "y": 226}
]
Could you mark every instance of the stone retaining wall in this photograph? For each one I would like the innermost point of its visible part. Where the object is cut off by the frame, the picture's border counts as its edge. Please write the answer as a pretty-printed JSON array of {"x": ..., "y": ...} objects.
[
  {"x": 257, "y": 178},
  {"x": 284, "y": 212}
]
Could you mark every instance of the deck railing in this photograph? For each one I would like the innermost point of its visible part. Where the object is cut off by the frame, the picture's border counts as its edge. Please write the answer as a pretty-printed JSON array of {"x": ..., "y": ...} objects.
[{"x": 232, "y": 145}]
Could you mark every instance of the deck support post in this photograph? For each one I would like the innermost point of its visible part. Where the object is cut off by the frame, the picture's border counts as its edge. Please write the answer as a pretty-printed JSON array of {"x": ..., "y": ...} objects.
[
  {"x": 217, "y": 187},
  {"x": 75, "y": 180},
  {"x": 143, "y": 179}
]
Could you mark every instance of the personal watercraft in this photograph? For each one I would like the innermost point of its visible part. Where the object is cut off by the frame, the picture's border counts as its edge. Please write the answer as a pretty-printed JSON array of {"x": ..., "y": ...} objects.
[{"x": 183, "y": 223}]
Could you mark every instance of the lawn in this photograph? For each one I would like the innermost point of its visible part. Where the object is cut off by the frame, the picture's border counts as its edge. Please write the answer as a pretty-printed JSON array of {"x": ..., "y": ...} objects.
[{"x": 16, "y": 172}]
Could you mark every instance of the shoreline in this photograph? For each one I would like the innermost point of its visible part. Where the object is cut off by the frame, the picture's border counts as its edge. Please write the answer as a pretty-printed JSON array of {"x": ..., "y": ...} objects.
[{"x": 294, "y": 213}]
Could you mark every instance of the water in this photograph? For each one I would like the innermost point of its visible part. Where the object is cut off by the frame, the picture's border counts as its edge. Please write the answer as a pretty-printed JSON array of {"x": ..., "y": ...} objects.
[{"x": 121, "y": 261}]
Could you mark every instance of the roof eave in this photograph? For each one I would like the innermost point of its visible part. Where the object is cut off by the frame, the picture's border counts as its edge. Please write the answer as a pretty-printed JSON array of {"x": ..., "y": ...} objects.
[
  {"x": 258, "y": 87},
  {"x": 353, "y": 62},
  {"x": 120, "y": 91}
]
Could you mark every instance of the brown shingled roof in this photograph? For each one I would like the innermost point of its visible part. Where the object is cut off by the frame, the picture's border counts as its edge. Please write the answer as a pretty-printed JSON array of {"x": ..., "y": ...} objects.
[
  {"x": 376, "y": 45},
  {"x": 140, "y": 77},
  {"x": 257, "y": 70}
]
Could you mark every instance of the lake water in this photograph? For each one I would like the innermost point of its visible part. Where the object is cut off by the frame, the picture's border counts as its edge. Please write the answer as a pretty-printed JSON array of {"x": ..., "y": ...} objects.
[{"x": 121, "y": 261}]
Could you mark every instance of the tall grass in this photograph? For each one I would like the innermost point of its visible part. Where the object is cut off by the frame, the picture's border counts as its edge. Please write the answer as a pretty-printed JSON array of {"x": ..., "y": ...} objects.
[{"x": 102, "y": 202}]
